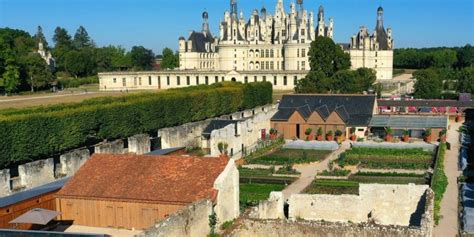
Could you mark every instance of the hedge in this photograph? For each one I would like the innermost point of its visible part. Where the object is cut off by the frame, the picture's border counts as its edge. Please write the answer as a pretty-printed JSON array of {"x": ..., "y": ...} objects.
[
  {"x": 35, "y": 133},
  {"x": 76, "y": 82},
  {"x": 439, "y": 182}
]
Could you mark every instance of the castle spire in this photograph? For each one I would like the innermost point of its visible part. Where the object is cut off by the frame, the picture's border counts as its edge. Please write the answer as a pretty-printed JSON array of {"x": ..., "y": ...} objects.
[
  {"x": 233, "y": 9},
  {"x": 379, "y": 18}
]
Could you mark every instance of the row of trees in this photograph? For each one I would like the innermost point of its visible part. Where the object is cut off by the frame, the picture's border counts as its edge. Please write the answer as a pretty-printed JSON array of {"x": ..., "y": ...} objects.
[
  {"x": 431, "y": 82},
  {"x": 22, "y": 68},
  {"x": 330, "y": 71},
  {"x": 457, "y": 57}
]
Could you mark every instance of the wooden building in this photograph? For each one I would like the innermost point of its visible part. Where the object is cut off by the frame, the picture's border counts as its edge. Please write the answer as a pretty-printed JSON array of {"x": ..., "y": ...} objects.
[
  {"x": 297, "y": 113},
  {"x": 134, "y": 191},
  {"x": 18, "y": 203}
]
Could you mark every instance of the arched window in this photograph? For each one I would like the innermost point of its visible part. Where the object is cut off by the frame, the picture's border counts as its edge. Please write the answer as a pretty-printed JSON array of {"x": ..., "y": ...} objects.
[
  {"x": 251, "y": 53},
  {"x": 251, "y": 66},
  {"x": 257, "y": 53},
  {"x": 257, "y": 66}
]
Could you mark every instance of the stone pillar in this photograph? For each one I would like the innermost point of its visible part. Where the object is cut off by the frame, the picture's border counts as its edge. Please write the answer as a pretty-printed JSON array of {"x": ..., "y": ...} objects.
[
  {"x": 114, "y": 147},
  {"x": 5, "y": 183},
  {"x": 36, "y": 173},
  {"x": 71, "y": 162},
  {"x": 139, "y": 144}
]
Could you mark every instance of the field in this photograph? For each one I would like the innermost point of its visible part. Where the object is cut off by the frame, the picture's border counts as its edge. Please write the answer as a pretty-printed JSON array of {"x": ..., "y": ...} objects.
[
  {"x": 252, "y": 193},
  {"x": 333, "y": 187},
  {"x": 380, "y": 158},
  {"x": 290, "y": 156}
]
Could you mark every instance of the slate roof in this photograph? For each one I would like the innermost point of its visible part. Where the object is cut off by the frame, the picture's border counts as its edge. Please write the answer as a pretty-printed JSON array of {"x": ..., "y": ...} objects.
[
  {"x": 355, "y": 110},
  {"x": 427, "y": 103},
  {"x": 216, "y": 124},
  {"x": 199, "y": 40},
  {"x": 159, "y": 179},
  {"x": 31, "y": 193}
]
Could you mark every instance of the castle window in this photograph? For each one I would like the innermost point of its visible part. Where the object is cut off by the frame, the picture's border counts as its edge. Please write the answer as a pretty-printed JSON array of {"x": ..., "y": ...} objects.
[
  {"x": 140, "y": 81},
  {"x": 303, "y": 53},
  {"x": 302, "y": 41},
  {"x": 302, "y": 32},
  {"x": 274, "y": 80},
  {"x": 216, "y": 79},
  {"x": 207, "y": 80},
  {"x": 285, "y": 81},
  {"x": 298, "y": 53},
  {"x": 267, "y": 65},
  {"x": 271, "y": 65},
  {"x": 255, "y": 79},
  {"x": 178, "y": 80},
  {"x": 188, "y": 81},
  {"x": 168, "y": 80},
  {"x": 264, "y": 78},
  {"x": 267, "y": 53},
  {"x": 223, "y": 79},
  {"x": 115, "y": 80},
  {"x": 295, "y": 80},
  {"x": 197, "y": 80},
  {"x": 303, "y": 65},
  {"x": 149, "y": 80},
  {"x": 246, "y": 80},
  {"x": 134, "y": 81},
  {"x": 124, "y": 82},
  {"x": 271, "y": 53}
]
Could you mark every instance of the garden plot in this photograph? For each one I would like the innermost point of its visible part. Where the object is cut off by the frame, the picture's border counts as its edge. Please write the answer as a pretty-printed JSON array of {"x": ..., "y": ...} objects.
[{"x": 285, "y": 156}]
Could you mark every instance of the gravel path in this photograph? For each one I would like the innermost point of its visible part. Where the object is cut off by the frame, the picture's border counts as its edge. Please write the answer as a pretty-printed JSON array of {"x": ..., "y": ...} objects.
[
  {"x": 448, "y": 225},
  {"x": 309, "y": 171}
]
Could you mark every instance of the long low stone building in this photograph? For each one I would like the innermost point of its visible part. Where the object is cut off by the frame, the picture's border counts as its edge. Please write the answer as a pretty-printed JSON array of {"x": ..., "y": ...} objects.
[{"x": 114, "y": 81}]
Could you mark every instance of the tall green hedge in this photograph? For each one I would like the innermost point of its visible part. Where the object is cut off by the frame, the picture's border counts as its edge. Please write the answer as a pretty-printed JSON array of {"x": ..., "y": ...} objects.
[{"x": 33, "y": 133}]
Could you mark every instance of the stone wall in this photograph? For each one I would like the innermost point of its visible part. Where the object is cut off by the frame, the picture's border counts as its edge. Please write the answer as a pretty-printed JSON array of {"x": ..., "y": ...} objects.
[
  {"x": 139, "y": 144},
  {"x": 248, "y": 131},
  {"x": 36, "y": 173},
  {"x": 186, "y": 135},
  {"x": 191, "y": 221},
  {"x": 227, "y": 203},
  {"x": 115, "y": 147},
  {"x": 380, "y": 203},
  {"x": 4, "y": 183},
  {"x": 71, "y": 162},
  {"x": 272, "y": 208}
]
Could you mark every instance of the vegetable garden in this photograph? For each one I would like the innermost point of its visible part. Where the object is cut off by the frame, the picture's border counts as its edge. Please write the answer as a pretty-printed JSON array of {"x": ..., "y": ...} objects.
[{"x": 290, "y": 156}]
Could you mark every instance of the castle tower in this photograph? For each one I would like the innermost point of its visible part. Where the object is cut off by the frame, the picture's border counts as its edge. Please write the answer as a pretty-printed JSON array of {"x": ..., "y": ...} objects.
[
  {"x": 379, "y": 18},
  {"x": 233, "y": 10},
  {"x": 205, "y": 22}
]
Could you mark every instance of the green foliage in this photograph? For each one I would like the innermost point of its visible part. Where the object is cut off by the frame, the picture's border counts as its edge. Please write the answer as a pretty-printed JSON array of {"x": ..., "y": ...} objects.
[
  {"x": 213, "y": 223},
  {"x": 37, "y": 71},
  {"x": 338, "y": 133},
  {"x": 388, "y": 174},
  {"x": 268, "y": 146},
  {"x": 327, "y": 57},
  {"x": 383, "y": 158},
  {"x": 289, "y": 156},
  {"x": 439, "y": 182},
  {"x": 319, "y": 132},
  {"x": 38, "y": 132},
  {"x": 10, "y": 78},
  {"x": 255, "y": 172},
  {"x": 333, "y": 187},
  {"x": 82, "y": 39},
  {"x": 251, "y": 194},
  {"x": 226, "y": 225},
  {"x": 80, "y": 63},
  {"x": 287, "y": 169},
  {"x": 335, "y": 172},
  {"x": 170, "y": 60},
  {"x": 434, "y": 57},
  {"x": 308, "y": 131},
  {"x": 76, "y": 82},
  {"x": 428, "y": 85},
  {"x": 142, "y": 58}
]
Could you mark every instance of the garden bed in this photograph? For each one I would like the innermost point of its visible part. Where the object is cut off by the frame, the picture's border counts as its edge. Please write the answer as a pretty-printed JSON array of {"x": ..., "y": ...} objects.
[
  {"x": 335, "y": 172},
  {"x": 388, "y": 178},
  {"x": 290, "y": 156},
  {"x": 382, "y": 158},
  {"x": 252, "y": 193},
  {"x": 333, "y": 187}
]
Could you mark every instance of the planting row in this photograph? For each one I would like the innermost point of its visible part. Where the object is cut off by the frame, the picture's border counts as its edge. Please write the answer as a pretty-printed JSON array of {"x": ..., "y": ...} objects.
[{"x": 289, "y": 156}]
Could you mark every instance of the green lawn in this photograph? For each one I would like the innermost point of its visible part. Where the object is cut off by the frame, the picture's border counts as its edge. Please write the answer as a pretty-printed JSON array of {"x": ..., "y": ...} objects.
[
  {"x": 290, "y": 156},
  {"x": 256, "y": 191}
]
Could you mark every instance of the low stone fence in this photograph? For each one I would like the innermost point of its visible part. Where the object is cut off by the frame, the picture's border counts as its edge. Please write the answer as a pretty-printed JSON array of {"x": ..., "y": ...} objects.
[{"x": 190, "y": 221}]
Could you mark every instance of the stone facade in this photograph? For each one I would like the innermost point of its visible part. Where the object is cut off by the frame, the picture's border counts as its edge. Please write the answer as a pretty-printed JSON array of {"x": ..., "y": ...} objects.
[
  {"x": 4, "y": 183},
  {"x": 380, "y": 203},
  {"x": 36, "y": 173},
  {"x": 71, "y": 162},
  {"x": 191, "y": 221},
  {"x": 115, "y": 147},
  {"x": 227, "y": 203},
  {"x": 242, "y": 136},
  {"x": 265, "y": 47},
  {"x": 139, "y": 144}
]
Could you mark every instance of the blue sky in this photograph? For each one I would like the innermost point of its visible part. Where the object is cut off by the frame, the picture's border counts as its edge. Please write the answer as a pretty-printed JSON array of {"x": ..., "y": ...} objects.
[{"x": 157, "y": 24}]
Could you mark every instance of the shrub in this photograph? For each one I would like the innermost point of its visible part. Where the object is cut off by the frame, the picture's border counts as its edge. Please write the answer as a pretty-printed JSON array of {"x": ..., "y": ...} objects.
[
  {"x": 338, "y": 133},
  {"x": 329, "y": 133},
  {"x": 226, "y": 225},
  {"x": 308, "y": 131},
  {"x": 335, "y": 172},
  {"x": 319, "y": 132},
  {"x": 439, "y": 182},
  {"x": 39, "y": 132},
  {"x": 76, "y": 82}
]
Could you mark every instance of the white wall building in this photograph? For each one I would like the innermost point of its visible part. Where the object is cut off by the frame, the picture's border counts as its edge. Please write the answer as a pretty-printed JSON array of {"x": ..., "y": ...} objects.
[{"x": 261, "y": 48}]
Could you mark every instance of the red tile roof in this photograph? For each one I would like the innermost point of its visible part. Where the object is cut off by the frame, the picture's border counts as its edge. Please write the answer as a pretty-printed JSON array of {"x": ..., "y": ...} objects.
[{"x": 161, "y": 179}]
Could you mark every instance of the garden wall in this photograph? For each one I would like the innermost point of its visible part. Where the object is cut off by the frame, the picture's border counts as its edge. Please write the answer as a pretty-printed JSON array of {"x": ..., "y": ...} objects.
[
  {"x": 139, "y": 144},
  {"x": 36, "y": 173},
  {"x": 391, "y": 145},
  {"x": 71, "y": 162},
  {"x": 114, "y": 147},
  {"x": 227, "y": 202},
  {"x": 248, "y": 132},
  {"x": 272, "y": 208},
  {"x": 381, "y": 203},
  {"x": 4, "y": 182},
  {"x": 191, "y": 221},
  {"x": 186, "y": 135}
]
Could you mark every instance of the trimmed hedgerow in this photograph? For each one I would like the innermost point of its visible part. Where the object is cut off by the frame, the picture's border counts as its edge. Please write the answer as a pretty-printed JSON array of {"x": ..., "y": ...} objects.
[
  {"x": 439, "y": 182},
  {"x": 33, "y": 133}
]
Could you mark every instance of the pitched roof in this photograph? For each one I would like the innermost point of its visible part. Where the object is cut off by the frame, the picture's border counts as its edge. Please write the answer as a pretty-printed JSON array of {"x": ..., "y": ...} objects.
[
  {"x": 199, "y": 41},
  {"x": 161, "y": 179},
  {"x": 353, "y": 109},
  {"x": 409, "y": 121},
  {"x": 216, "y": 124}
]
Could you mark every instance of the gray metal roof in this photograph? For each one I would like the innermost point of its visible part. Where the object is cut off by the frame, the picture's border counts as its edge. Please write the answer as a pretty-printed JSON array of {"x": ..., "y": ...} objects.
[
  {"x": 31, "y": 193},
  {"x": 409, "y": 122},
  {"x": 164, "y": 151}
]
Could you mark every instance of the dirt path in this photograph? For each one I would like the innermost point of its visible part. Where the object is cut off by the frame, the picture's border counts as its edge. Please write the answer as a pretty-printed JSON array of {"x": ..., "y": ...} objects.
[
  {"x": 448, "y": 225},
  {"x": 309, "y": 171}
]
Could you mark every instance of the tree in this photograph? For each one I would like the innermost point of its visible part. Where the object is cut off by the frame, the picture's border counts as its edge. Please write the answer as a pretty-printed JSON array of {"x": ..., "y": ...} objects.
[
  {"x": 327, "y": 57},
  {"x": 39, "y": 37},
  {"x": 466, "y": 56},
  {"x": 365, "y": 78},
  {"x": 11, "y": 78},
  {"x": 37, "y": 71},
  {"x": 170, "y": 59},
  {"x": 428, "y": 85},
  {"x": 445, "y": 58},
  {"x": 314, "y": 82},
  {"x": 62, "y": 45},
  {"x": 82, "y": 39},
  {"x": 466, "y": 80},
  {"x": 80, "y": 63},
  {"x": 142, "y": 58}
]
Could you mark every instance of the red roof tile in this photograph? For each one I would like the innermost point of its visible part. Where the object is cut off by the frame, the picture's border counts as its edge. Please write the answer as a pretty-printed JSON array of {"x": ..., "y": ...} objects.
[{"x": 175, "y": 179}]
